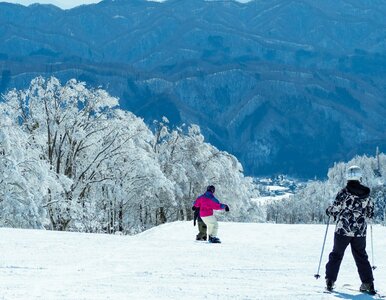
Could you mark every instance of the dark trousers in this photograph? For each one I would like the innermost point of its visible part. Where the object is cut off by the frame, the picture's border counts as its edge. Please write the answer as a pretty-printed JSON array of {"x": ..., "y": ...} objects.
[
  {"x": 202, "y": 229},
  {"x": 358, "y": 249}
]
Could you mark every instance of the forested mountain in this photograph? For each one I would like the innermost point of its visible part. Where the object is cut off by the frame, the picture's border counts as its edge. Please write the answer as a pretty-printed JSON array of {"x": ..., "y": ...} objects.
[{"x": 286, "y": 86}]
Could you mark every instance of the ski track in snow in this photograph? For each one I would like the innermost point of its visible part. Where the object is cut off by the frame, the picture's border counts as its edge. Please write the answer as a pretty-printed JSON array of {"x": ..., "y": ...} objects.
[{"x": 255, "y": 261}]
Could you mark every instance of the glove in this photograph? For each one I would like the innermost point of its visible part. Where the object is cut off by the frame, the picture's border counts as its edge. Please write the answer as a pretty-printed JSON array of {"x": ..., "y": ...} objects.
[
  {"x": 226, "y": 208},
  {"x": 194, "y": 208},
  {"x": 327, "y": 212}
]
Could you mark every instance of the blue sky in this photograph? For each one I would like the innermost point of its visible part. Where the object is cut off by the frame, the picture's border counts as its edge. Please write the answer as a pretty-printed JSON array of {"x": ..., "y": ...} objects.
[{"x": 61, "y": 3}]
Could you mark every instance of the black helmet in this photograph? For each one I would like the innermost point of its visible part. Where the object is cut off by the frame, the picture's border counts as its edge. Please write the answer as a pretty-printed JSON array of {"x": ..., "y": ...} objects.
[{"x": 211, "y": 189}]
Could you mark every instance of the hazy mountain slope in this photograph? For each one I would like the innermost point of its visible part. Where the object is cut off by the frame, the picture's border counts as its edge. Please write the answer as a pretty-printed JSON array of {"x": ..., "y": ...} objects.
[{"x": 278, "y": 83}]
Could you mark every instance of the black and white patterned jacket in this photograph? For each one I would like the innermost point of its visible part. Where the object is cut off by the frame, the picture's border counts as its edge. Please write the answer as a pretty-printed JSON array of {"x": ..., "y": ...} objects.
[{"x": 351, "y": 207}]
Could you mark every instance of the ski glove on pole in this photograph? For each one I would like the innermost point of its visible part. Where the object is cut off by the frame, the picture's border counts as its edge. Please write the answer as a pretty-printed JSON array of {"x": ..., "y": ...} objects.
[
  {"x": 226, "y": 207},
  {"x": 328, "y": 213}
]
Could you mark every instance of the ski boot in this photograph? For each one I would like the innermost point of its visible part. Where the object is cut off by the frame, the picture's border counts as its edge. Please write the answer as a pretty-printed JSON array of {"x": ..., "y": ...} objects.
[
  {"x": 329, "y": 284},
  {"x": 198, "y": 238},
  {"x": 368, "y": 288},
  {"x": 214, "y": 240}
]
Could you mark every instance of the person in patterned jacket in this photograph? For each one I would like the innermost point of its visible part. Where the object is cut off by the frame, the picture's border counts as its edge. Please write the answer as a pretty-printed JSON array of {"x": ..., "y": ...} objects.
[{"x": 350, "y": 209}]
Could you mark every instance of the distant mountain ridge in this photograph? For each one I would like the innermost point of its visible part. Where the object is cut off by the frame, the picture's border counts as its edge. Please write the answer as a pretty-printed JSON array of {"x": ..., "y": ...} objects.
[{"x": 286, "y": 86}]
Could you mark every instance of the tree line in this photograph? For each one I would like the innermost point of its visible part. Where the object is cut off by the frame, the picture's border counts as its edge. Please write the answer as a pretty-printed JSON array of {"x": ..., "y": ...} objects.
[
  {"x": 308, "y": 204},
  {"x": 71, "y": 159}
]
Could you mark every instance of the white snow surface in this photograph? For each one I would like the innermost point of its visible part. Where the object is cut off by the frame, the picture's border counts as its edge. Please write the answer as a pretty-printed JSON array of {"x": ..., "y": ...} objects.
[
  {"x": 255, "y": 261},
  {"x": 276, "y": 188},
  {"x": 269, "y": 199}
]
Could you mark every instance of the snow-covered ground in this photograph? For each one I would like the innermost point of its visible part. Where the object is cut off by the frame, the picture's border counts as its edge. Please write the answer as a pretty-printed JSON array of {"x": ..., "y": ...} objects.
[
  {"x": 265, "y": 200},
  {"x": 274, "y": 193},
  {"x": 255, "y": 261}
]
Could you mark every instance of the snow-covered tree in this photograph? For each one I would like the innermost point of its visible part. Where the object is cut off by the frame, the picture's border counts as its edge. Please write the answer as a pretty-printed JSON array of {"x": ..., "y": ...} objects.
[
  {"x": 138, "y": 194},
  {"x": 25, "y": 179},
  {"x": 193, "y": 164},
  {"x": 80, "y": 135},
  {"x": 71, "y": 126}
]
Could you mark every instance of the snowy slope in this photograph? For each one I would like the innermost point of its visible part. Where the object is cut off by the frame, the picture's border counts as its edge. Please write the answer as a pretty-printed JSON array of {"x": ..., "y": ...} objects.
[{"x": 255, "y": 261}]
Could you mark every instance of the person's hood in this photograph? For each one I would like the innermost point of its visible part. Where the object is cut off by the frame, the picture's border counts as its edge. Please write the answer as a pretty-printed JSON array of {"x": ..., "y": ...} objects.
[{"x": 355, "y": 188}]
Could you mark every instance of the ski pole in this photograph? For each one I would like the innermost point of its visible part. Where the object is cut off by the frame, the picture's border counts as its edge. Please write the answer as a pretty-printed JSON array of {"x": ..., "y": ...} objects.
[
  {"x": 372, "y": 247},
  {"x": 317, "y": 276}
]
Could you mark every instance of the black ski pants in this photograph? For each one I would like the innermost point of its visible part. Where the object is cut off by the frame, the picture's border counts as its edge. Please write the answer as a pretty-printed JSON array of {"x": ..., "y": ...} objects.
[{"x": 358, "y": 249}]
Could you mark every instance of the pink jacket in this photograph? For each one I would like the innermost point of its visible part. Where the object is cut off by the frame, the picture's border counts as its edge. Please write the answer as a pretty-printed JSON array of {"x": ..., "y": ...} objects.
[{"x": 207, "y": 203}]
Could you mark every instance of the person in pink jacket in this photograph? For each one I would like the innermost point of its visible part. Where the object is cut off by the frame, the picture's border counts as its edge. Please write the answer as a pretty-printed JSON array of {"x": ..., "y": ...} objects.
[{"x": 207, "y": 202}]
